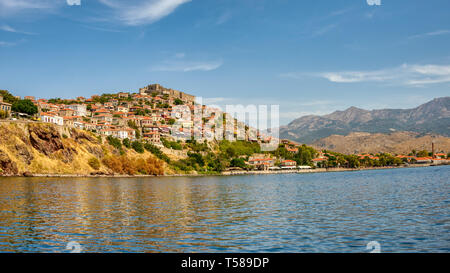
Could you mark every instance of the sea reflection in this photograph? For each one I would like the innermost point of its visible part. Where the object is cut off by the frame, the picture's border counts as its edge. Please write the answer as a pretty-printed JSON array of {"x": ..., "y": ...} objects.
[{"x": 404, "y": 209}]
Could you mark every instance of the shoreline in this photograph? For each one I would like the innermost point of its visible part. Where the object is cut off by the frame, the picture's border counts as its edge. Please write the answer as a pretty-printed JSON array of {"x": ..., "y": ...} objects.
[{"x": 226, "y": 173}]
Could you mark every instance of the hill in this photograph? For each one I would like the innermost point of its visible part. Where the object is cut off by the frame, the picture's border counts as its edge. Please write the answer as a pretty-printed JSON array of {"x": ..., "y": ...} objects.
[
  {"x": 39, "y": 148},
  {"x": 431, "y": 117},
  {"x": 396, "y": 143}
]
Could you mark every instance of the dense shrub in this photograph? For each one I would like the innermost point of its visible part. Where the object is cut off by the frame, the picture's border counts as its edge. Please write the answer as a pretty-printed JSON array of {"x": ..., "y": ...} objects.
[
  {"x": 126, "y": 142},
  {"x": 157, "y": 152},
  {"x": 125, "y": 165},
  {"x": 94, "y": 163},
  {"x": 238, "y": 162},
  {"x": 115, "y": 142},
  {"x": 171, "y": 144},
  {"x": 3, "y": 114},
  {"x": 137, "y": 146},
  {"x": 238, "y": 148}
]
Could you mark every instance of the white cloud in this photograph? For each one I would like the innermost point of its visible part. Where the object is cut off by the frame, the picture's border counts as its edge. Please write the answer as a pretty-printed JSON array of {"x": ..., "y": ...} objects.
[
  {"x": 409, "y": 75},
  {"x": 129, "y": 12},
  {"x": 322, "y": 30},
  {"x": 133, "y": 12},
  {"x": 3, "y": 43},
  {"x": 218, "y": 100},
  {"x": 9, "y": 44},
  {"x": 8, "y": 28},
  {"x": 187, "y": 66},
  {"x": 433, "y": 33},
  {"x": 8, "y": 7},
  {"x": 225, "y": 17}
]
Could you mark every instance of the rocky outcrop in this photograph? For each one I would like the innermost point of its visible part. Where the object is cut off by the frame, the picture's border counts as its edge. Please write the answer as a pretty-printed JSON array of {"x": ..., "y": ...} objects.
[
  {"x": 45, "y": 140},
  {"x": 96, "y": 151},
  {"x": 7, "y": 166},
  {"x": 22, "y": 151},
  {"x": 79, "y": 136},
  {"x": 66, "y": 155}
]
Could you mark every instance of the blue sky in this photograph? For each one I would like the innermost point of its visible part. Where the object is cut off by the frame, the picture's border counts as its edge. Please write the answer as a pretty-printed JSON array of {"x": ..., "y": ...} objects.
[{"x": 310, "y": 57}]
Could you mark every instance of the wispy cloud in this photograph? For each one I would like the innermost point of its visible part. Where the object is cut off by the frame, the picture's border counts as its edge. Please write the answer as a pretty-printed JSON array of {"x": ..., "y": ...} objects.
[
  {"x": 8, "y": 7},
  {"x": 324, "y": 29},
  {"x": 432, "y": 33},
  {"x": 8, "y": 28},
  {"x": 102, "y": 29},
  {"x": 133, "y": 12},
  {"x": 9, "y": 44},
  {"x": 224, "y": 18},
  {"x": 409, "y": 75},
  {"x": 217, "y": 100},
  {"x": 3, "y": 43},
  {"x": 178, "y": 62},
  {"x": 187, "y": 66}
]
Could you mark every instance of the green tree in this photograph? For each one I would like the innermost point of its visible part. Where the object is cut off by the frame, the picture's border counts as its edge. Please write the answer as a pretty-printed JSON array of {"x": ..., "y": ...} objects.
[
  {"x": 137, "y": 146},
  {"x": 423, "y": 153},
  {"x": 238, "y": 162},
  {"x": 126, "y": 143},
  {"x": 156, "y": 151},
  {"x": 115, "y": 142},
  {"x": 24, "y": 106},
  {"x": 8, "y": 97},
  {"x": 196, "y": 158}
]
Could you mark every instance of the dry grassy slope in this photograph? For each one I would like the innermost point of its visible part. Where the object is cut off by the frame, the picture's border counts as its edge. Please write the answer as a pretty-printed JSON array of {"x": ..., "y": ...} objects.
[
  {"x": 395, "y": 143},
  {"x": 17, "y": 146}
]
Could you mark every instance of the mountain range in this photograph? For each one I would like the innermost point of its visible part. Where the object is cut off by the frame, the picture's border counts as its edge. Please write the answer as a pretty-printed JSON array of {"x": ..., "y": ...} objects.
[{"x": 430, "y": 118}]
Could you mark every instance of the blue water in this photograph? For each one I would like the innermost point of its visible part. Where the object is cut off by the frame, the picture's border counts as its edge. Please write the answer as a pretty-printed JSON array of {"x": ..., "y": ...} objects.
[{"x": 404, "y": 210}]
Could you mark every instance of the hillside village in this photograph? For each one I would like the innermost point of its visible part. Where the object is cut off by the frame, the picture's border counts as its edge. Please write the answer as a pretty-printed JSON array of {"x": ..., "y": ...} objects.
[{"x": 147, "y": 117}]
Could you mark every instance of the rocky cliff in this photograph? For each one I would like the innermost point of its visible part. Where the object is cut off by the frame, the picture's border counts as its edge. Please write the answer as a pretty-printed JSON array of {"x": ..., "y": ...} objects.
[{"x": 28, "y": 148}]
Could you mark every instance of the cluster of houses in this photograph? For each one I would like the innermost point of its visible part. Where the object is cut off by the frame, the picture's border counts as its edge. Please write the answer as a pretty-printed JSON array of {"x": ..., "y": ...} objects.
[
  {"x": 436, "y": 158},
  {"x": 148, "y": 113},
  {"x": 268, "y": 162},
  {"x": 263, "y": 162},
  {"x": 123, "y": 115}
]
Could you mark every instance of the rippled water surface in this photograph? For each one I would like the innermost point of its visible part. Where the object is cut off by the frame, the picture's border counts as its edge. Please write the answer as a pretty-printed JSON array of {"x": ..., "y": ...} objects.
[{"x": 405, "y": 210}]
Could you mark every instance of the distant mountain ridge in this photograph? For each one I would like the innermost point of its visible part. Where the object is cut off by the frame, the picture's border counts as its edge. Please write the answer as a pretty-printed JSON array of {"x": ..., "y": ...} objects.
[
  {"x": 396, "y": 143},
  {"x": 431, "y": 117}
]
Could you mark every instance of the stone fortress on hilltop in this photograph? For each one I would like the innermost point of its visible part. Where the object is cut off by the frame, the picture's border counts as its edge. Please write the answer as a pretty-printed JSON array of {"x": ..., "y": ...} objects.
[{"x": 160, "y": 90}]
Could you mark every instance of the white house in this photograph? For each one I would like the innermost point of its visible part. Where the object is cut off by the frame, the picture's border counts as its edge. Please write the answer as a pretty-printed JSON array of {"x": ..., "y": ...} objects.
[
  {"x": 80, "y": 109},
  {"x": 49, "y": 118}
]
